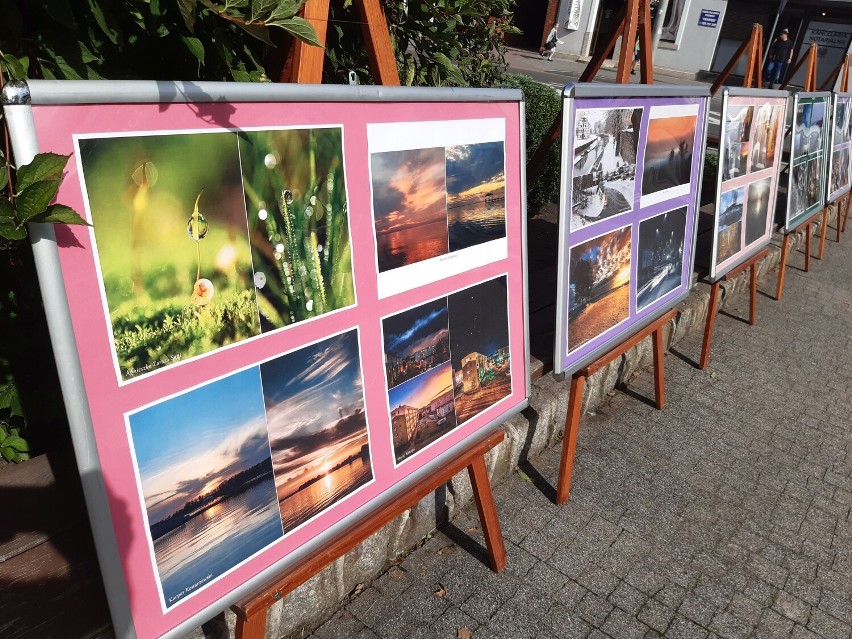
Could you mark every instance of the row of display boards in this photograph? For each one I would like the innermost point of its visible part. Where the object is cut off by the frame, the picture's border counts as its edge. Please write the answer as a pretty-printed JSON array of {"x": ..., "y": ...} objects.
[{"x": 294, "y": 302}]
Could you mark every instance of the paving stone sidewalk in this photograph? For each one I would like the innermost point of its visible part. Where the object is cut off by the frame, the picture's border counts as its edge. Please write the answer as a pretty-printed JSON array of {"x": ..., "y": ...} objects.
[{"x": 727, "y": 514}]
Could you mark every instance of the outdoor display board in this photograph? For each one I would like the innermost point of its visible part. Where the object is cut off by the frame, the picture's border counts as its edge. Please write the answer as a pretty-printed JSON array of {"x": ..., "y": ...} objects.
[
  {"x": 631, "y": 172},
  {"x": 840, "y": 162},
  {"x": 751, "y": 141},
  {"x": 806, "y": 173},
  {"x": 291, "y": 304}
]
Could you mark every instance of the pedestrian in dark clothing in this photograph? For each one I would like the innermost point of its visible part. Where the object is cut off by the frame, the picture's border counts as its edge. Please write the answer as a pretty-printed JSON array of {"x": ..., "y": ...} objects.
[{"x": 780, "y": 55}]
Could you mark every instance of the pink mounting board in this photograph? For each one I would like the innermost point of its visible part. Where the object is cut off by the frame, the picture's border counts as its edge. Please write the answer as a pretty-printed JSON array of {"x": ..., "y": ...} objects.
[{"x": 290, "y": 304}]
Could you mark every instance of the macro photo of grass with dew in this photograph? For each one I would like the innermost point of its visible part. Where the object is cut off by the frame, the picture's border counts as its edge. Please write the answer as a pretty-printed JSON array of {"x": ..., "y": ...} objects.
[
  {"x": 170, "y": 225},
  {"x": 298, "y": 223}
]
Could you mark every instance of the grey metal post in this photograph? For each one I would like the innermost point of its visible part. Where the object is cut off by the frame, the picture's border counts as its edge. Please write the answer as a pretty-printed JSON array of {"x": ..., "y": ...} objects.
[{"x": 658, "y": 24}]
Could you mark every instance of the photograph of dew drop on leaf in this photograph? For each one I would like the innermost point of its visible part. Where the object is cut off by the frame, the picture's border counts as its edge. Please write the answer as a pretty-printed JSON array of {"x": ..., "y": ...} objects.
[
  {"x": 170, "y": 225},
  {"x": 298, "y": 223}
]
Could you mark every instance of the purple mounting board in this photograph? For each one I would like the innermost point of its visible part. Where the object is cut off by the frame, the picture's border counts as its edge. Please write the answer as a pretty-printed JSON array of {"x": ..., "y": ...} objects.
[
  {"x": 632, "y": 158},
  {"x": 751, "y": 137},
  {"x": 840, "y": 160}
]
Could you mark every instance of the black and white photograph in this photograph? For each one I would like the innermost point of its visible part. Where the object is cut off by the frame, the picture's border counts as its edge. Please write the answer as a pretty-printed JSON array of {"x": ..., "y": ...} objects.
[
  {"x": 757, "y": 210},
  {"x": 839, "y": 170},
  {"x": 660, "y": 268},
  {"x": 729, "y": 237},
  {"x": 807, "y": 136},
  {"x": 736, "y": 141},
  {"x": 605, "y": 146}
]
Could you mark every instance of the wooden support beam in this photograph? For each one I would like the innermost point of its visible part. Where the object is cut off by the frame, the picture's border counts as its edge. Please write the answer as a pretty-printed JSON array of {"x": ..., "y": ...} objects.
[
  {"x": 754, "y": 67},
  {"x": 809, "y": 59}
]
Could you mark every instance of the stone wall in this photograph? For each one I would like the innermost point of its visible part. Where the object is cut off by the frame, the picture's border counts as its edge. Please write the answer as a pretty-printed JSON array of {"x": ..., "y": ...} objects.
[{"x": 527, "y": 434}]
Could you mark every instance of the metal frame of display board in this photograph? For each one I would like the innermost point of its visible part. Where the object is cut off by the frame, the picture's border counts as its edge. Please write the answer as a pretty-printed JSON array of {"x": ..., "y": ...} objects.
[
  {"x": 583, "y": 91},
  {"x": 748, "y": 260},
  {"x": 652, "y": 324},
  {"x": 805, "y": 221},
  {"x": 18, "y": 100}
]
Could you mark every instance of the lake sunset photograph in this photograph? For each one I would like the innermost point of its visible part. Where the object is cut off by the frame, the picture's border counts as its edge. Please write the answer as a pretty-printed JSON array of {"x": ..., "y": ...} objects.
[
  {"x": 205, "y": 471},
  {"x": 476, "y": 194},
  {"x": 314, "y": 401},
  {"x": 409, "y": 206}
]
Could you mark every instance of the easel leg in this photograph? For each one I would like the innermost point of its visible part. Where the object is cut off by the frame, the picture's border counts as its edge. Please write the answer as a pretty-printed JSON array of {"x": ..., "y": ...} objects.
[
  {"x": 487, "y": 514},
  {"x": 845, "y": 213},
  {"x": 709, "y": 324},
  {"x": 659, "y": 371},
  {"x": 569, "y": 438},
  {"x": 254, "y": 627},
  {"x": 839, "y": 208},
  {"x": 824, "y": 232},
  {"x": 808, "y": 230},
  {"x": 752, "y": 309},
  {"x": 782, "y": 268}
]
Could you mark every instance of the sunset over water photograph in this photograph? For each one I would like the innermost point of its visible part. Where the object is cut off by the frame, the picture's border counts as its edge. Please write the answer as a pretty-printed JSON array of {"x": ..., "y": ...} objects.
[
  {"x": 314, "y": 400},
  {"x": 206, "y": 476},
  {"x": 409, "y": 206}
]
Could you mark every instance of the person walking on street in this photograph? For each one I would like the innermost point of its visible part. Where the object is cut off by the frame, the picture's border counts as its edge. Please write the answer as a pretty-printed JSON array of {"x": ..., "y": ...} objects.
[
  {"x": 780, "y": 55},
  {"x": 550, "y": 43}
]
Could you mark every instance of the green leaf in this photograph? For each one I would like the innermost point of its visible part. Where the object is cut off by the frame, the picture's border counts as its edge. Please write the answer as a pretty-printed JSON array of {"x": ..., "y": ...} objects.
[
  {"x": 187, "y": 12},
  {"x": 9, "y": 400},
  {"x": 286, "y": 9},
  {"x": 60, "y": 214},
  {"x": 44, "y": 166},
  {"x": 256, "y": 31},
  {"x": 299, "y": 28},
  {"x": 4, "y": 177},
  {"x": 16, "y": 67},
  {"x": 260, "y": 9},
  {"x": 105, "y": 21},
  {"x": 17, "y": 443},
  {"x": 60, "y": 11},
  {"x": 195, "y": 47},
  {"x": 34, "y": 199},
  {"x": 451, "y": 69},
  {"x": 8, "y": 453}
]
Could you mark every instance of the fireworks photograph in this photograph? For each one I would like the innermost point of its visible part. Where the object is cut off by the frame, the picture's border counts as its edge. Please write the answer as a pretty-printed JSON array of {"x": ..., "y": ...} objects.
[
  {"x": 660, "y": 256},
  {"x": 764, "y": 137},
  {"x": 479, "y": 343},
  {"x": 736, "y": 141},
  {"x": 207, "y": 482},
  {"x": 409, "y": 206},
  {"x": 169, "y": 221},
  {"x": 476, "y": 194},
  {"x": 605, "y": 146},
  {"x": 416, "y": 341},
  {"x": 729, "y": 237},
  {"x": 668, "y": 155},
  {"x": 298, "y": 214},
  {"x": 314, "y": 400},
  {"x": 757, "y": 210},
  {"x": 422, "y": 410},
  {"x": 598, "y": 286}
]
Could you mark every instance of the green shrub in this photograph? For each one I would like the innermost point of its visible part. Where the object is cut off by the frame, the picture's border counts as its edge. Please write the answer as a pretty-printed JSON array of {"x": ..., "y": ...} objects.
[
  {"x": 711, "y": 171},
  {"x": 543, "y": 106}
]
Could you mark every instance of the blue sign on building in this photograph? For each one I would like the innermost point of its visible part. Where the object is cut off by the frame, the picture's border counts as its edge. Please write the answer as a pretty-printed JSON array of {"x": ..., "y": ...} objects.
[{"x": 708, "y": 18}]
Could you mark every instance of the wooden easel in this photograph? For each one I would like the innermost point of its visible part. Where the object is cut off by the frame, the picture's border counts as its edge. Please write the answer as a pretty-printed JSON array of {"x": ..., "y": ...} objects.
[
  {"x": 713, "y": 306},
  {"x": 754, "y": 68},
  {"x": 809, "y": 59},
  {"x": 304, "y": 65},
  {"x": 578, "y": 385},
  {"x": 304, "y": 62},
  {"x": 634, "y": 15},
  {"x": 252, "y": 610}
]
